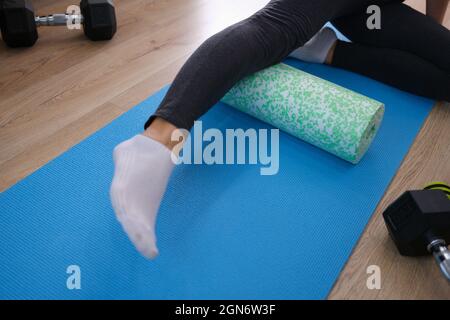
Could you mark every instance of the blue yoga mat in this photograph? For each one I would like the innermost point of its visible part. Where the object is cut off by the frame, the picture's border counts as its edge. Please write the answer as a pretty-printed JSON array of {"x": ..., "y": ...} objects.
[{"x": 224, "y": 232}]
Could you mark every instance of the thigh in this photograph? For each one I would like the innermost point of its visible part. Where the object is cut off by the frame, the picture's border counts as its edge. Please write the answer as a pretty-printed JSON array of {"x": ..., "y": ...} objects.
[
  {"x": 289, "y": 24},
  {"x": 402, "y": 28},
  {"x": 393, "y": 67}
]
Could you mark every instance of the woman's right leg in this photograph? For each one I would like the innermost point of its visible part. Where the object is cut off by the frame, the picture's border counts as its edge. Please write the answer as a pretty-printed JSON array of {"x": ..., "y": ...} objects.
[
  {"x": 143, "y": 165},
  {"x": 241, "y": 49}
]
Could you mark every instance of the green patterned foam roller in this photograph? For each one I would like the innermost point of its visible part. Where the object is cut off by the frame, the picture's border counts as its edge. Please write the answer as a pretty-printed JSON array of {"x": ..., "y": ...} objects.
[{"x": 317, "y": 111}]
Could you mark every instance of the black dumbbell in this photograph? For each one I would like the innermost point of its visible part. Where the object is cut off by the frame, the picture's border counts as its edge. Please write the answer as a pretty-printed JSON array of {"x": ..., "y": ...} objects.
[
  {"x": 19, "y": 25},
  {"x": 419, "y": 224}
]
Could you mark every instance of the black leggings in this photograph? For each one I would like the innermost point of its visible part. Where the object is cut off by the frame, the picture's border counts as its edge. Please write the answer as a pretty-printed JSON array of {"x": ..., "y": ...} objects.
[
  {"x": 410, "y": 51},
  {"x": 271, "y": 34}
]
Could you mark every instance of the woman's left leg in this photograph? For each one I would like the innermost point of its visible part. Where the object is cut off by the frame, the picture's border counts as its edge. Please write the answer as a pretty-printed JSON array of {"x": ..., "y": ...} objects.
[
  {"x": 402, "y": 28},
  {"x": 397, "y": 68},
  {"x": 411, "y": 51}
]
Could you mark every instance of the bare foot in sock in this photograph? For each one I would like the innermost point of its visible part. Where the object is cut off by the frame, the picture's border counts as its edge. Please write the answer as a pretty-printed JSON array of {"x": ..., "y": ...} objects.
[
  {"x": 317, "y": 49},
  {"x": 142, "y": 169}
]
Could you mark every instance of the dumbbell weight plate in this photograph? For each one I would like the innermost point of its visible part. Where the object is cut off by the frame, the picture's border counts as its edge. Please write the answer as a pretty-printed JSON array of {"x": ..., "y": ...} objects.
[
  {"x": 17, "y": 23},
  {"x": 99, "y": 19}
]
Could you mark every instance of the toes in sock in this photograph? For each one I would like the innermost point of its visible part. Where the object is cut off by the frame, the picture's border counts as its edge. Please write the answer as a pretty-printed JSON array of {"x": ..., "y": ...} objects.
[
  {"x": 142, "y": 169},
  {"x": 316, "y": 49}
]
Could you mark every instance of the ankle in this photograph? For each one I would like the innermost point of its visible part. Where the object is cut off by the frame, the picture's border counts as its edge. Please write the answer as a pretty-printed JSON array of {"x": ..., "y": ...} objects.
[{"x": 161, "y": 130}]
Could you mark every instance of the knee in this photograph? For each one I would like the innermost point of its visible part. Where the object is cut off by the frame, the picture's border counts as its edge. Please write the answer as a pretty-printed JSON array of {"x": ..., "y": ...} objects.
[
  {"x": 279, "y": 31},
  {"x": 253, "y": 39},
  {"x": 283, "y": 21},
  {"x": 269, "y": 35}
]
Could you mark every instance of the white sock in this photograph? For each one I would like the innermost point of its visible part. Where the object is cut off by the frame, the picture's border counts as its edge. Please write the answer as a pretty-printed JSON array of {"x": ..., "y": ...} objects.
[
  {"x": 317, "y": 48},
  {"x": 142, "y": 169}
]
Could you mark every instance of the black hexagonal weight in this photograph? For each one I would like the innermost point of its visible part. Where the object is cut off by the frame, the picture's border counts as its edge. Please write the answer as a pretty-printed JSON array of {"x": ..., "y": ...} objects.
[
  {"x": 17, "y": 23},
  {"x": 416, "y": 219},
  {"x": 99, "y": 19}
]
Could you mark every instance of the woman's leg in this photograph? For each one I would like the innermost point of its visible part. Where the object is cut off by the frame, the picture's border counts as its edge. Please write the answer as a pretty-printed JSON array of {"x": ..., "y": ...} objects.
[
  {"x": 260, "y": 41},
  {"x": 402, "y": 28},
  {"x": 411, "y": 51},
  {"x": 142, "y": 164},
  {"x": 397, "y": 68}
]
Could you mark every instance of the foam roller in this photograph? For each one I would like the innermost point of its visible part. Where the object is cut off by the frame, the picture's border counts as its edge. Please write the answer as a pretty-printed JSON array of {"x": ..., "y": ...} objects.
[{"x": 314, "y": 110}]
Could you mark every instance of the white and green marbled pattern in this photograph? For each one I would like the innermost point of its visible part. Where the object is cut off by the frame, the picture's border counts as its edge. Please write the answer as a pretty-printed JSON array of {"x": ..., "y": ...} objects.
[{"x": 317, "y": 111}]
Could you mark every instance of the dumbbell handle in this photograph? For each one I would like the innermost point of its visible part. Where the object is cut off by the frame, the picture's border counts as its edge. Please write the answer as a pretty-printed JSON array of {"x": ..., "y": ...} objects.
[
  {"x": 58, "y": 19},
  {"x": 441, "y": 255}
]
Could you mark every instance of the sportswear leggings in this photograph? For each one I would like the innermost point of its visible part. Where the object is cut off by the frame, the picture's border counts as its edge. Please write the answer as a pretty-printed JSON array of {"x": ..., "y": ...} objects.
[{"x": 411, "y": 51}]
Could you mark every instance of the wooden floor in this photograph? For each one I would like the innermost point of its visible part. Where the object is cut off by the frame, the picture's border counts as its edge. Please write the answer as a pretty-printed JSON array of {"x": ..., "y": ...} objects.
[{"x": 63, "y": 89}]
